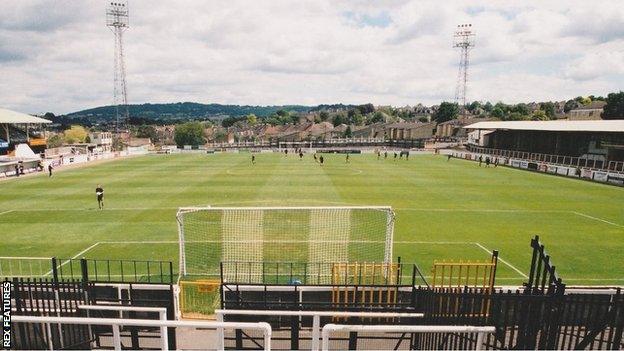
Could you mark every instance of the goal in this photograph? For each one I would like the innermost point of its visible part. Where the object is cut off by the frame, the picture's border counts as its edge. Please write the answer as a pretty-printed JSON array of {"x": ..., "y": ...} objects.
[{"x": 210, "y": 236}]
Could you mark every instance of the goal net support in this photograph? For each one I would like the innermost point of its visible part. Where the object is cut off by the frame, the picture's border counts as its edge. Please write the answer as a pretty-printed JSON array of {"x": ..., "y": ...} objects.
[{"x": 210, "y": 236}]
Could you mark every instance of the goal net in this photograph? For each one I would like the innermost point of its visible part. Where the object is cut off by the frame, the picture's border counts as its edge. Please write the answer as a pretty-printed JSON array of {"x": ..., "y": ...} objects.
[{"x": 259, "y": 235}]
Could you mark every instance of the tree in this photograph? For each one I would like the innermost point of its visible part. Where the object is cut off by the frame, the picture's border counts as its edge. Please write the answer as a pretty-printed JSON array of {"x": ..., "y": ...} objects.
[
  {"x": 324, "y": 116},
  {"x": 147, "y": 131},
  {"x": 549, "y": 109},
  {"x": 229, "y": 121},
  {"x": 516, "y": 116},
  {"x": 539, "y": 115},
  {"x": 570, "y": 105},
  {"x": 472, "y": 107},
  {"x": 488, "y": 107},
  {"x": 55, "y": 140},
  {"x": 614, "y": 109},
  {"x": 220, "y": 136},
  {"x": 378, "y": 117},
  {"x": 583, "y": 100},
  {"x": 366, "y": 109},
  {"x": 355, "y": 117},
  {"x": 339, "y": 119},
  {"x": 252, "y": 119},
  {"x": 521, "y": 108},
  {"x": 189, "y": 133},
  {"x": 497, "y": 112},
  {"x": 348, "y": 133},
  {"x": 446, "y": 112},
  {"x": 75, "y": 134}
]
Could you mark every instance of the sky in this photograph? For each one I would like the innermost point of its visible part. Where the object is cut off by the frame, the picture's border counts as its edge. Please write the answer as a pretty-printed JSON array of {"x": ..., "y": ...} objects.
[{"x": 57, "y": 55}]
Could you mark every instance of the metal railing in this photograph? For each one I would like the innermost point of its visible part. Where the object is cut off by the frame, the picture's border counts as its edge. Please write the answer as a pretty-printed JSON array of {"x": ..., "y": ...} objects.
[
  {"x": 480, "y": 331},
  {"x": 115, "y": 271},
  {"x": 562, "y": 160},
  {"x": 116, "y": 324},
  {"x": 316, "y": 318}
]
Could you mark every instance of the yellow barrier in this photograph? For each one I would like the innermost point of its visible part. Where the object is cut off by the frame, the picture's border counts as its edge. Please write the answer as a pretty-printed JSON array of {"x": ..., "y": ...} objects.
[
  {"x": 368, "y": 284},
  {"x": 479, "y": 274},
  {"x": 454, "y": 276},
  {"x": 199, "y": 299}
]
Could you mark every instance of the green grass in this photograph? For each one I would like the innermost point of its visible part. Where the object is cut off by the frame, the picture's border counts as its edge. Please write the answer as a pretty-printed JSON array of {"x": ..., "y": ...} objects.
[{"x": 445, "y": 210}]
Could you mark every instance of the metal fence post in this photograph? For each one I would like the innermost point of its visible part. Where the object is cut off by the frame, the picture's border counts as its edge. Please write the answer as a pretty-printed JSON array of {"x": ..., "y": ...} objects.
[
  {"x": 84, "y": 268},
  {"x": 54, "y": 270}
]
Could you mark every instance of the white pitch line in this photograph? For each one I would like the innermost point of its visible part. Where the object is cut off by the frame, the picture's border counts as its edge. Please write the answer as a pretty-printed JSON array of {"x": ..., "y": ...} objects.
[
  {"x": 5, "y": 212},
  {"x": 597, "y": 219},
  {"x": 143, "y": 242},
  {"x": 500, "y": 259},
  {"x": 75, "y": 256},
  {"x": 85, "y": 250},
  {"x": 476, "y": 210},
  {"x": 435, "y": 242}
]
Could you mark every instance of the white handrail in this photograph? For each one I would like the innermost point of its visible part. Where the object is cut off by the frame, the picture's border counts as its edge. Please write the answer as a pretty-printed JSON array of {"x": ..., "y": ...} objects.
[
  {"x": 116, "y": 323},
  {"x": 162, "y": 315},
  {"x": 328, "y": 328},
  {"x": 316, "y": 318}
]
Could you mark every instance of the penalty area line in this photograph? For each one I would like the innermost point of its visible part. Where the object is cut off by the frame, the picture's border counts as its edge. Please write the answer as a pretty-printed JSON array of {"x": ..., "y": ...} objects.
[
  {"x": 5, "y": 212},
  {"x": 597, "y": 219},
  {"x": 75, "y": 256},
  {"x": 500, "y": 259}
]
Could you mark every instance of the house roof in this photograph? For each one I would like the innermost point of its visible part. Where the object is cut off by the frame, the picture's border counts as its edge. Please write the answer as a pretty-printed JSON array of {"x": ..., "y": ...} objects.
[
  {"x": 465, "y": 121},
  {"x": 616, "y": 125},
  {"x": 11, "y": 117},
  {"x": 594, "y": 105},
  {"x": 134, "y": 142},
  {"x": 410, "y": 125}
]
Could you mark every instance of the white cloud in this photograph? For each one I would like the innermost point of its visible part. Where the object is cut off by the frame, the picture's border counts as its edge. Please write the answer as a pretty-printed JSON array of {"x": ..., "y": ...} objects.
[{"x": 57, "y": 56}]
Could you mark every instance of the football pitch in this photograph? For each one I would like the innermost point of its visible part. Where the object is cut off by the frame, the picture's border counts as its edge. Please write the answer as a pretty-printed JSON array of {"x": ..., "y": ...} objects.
[{"x": 445, "y": 210}]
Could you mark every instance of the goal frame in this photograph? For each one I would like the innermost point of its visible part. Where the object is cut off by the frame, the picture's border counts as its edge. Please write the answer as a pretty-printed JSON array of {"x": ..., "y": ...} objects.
[{"x": 389, "y": 238}]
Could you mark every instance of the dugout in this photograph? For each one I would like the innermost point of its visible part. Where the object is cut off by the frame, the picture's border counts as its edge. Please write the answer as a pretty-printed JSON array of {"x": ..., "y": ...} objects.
[
  {"x": 602, "y": 139},
  {"x": 20, "y": 128}
]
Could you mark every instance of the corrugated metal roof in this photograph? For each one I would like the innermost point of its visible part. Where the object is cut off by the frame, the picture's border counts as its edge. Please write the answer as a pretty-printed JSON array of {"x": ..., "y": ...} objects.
[
  {"x": 8, "y": 116},
  {"x": 616, "y": 125}
]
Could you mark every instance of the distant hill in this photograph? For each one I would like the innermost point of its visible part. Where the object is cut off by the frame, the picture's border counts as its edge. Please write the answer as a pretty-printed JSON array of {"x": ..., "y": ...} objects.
[{"x": 173, "y": 112}]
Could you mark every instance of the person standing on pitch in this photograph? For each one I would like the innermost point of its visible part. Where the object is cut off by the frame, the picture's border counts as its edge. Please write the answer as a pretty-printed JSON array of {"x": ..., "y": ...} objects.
[
  {"x": 253, "y": 159},
  {"x": 100, "y": 196},
  {"x": 50, "y": 170},
  {"x": 321, "y": 160},
  {"x": 480, "y": 160},
  {"x": 347, "y": 159}
]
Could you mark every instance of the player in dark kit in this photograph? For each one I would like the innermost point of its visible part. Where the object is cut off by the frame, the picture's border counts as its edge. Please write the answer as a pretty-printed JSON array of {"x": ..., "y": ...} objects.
[
  {"x": 50, "y": 170},
  {"x": 100, "y": 196},
  {"x": 321, "y": 160},
  {"x": 253, "y": 159}
]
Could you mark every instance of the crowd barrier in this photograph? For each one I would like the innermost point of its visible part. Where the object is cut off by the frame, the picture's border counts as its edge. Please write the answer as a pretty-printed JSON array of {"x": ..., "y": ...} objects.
[
  {"x": 7, "y": 169},
  {"x": 597, "y": 175}
]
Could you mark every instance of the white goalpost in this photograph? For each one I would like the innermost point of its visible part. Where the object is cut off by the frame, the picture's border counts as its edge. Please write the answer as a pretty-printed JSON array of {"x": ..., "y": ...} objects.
[{"x": 209, "y": 236}]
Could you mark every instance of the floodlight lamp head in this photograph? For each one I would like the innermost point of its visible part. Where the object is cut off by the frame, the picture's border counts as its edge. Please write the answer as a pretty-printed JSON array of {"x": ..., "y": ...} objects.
[{"x": 117, "y": 15}]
